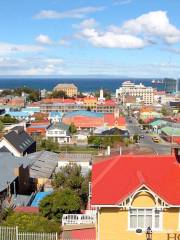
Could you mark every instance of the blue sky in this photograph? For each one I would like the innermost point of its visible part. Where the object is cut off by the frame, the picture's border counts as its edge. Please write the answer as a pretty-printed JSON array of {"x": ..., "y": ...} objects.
[{"x": 134, "y": 38}]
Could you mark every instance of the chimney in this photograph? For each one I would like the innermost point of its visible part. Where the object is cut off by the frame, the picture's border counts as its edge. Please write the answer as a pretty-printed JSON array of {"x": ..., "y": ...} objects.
[
  {"x": 176, "y": 152},
  {"x": 108, "y": 150}
]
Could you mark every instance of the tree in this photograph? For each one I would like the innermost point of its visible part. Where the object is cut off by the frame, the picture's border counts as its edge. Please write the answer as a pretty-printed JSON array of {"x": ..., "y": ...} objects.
[
  {"x": 72, "y": 128},
  {"x": 63, "y": 201},
  {"x": 106, "y": 93},
  {"x": 31, "y": 222},
  {"x": 88, "y": 109},
  {"x": 8, "y": 119},
  {"x": 49, "y": 145},
  {"x": 165, "y": 111},
  {"x": 70, "y": 177},
  {"x": 136, "y": 138},
  {"x": 33, "y": 94},
  {"x": 58, "y": 94},
  {"x": 1, "y": 126}
]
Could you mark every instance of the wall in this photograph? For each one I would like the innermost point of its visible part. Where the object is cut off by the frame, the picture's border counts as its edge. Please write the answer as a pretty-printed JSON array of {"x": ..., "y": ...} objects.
[{"x": 113, "y": 222}]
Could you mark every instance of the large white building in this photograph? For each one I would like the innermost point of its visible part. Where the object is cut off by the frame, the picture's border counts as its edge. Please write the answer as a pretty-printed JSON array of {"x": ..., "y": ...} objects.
[{"x": 142, "y": 93}]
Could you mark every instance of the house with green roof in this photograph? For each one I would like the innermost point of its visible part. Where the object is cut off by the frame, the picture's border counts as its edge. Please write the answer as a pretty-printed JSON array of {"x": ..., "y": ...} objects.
[{"x": 171, "y": 134}]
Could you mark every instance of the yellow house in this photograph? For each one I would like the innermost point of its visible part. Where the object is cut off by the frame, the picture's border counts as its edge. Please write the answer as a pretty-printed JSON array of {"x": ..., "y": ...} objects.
[
  {"x": 69, "y": 88},
  {"x": 137, "y": 198}
]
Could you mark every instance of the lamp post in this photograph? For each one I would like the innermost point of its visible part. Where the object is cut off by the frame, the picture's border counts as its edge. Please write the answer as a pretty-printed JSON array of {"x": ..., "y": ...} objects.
[{"x": 149, "y": 233}]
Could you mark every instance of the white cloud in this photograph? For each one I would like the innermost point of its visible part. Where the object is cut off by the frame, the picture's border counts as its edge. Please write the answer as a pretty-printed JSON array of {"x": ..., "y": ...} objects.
[
  {"x": 156, "y": 24},
  {"x": 172, "y": 50},
  {"x": 31, "y": 66},
  {"x": 122, "y": 2},
  {"x": 112, "y": 40},
  {"x": 8, "y": 48},
  {"x": 43, "y": 39},
  {"x": 74, "y": 13},
  {"x": 145, "y": 30},
  {"x": 88, "y": 23}
]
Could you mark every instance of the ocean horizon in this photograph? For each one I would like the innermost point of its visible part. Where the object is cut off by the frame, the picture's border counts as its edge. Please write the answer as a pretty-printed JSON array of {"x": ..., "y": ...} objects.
[{"x": 84, "y": 84}]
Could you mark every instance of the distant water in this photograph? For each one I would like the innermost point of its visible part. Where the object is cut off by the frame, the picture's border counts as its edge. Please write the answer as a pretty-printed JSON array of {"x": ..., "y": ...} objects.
[{"x": 84, "y": 85}]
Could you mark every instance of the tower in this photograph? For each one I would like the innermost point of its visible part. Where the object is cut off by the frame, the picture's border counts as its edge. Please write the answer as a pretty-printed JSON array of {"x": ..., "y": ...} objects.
[{"x": 101, "y": 95}]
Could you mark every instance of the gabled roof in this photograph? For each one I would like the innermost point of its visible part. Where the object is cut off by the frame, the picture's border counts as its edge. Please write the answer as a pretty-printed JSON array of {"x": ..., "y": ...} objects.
[
  {"x": 113, "y": 180},
  {"x": 44, "y": 164},
  {"x": 60, "y": 126},
  {"x": 19, "y": 139}
]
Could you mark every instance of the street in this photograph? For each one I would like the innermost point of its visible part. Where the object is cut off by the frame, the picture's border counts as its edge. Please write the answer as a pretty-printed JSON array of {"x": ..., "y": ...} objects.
[{"x": 146, "y": 140}]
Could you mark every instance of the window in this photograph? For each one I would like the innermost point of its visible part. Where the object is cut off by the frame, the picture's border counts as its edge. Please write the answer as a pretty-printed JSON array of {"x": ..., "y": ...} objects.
[{"x": 144, "y": 218}]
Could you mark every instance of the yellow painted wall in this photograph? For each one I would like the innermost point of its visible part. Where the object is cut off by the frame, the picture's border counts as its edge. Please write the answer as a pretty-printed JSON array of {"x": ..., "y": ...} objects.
[{"x": 113, "y": 222}]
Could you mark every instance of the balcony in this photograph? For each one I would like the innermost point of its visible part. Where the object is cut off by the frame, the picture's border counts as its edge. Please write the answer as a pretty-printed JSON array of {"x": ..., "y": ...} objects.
[{"x": 70, "y": 219}]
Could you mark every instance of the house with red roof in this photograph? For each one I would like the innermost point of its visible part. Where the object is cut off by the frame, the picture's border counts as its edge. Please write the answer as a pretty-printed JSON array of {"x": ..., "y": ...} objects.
[{"x": 137, "y": 197}]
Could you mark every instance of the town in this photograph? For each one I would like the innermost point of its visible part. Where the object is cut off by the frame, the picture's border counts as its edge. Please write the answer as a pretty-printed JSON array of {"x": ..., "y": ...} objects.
[{"x": 90, "y": 165}]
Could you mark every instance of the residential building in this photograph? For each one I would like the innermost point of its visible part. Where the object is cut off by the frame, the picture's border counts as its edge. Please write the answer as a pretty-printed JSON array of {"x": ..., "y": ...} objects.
[
  {"x": 55, "y": 117},
  {"x": 84, "y": 160},
  {"x": 171, "y": 134},
  {"x": 19, "y": 115},
  {"x": 70, "y": 89},
  {"x": 43, "y": 166},
  {"x": 137, "y": 197},
  {"x": 38, "y": 128},
  {"x": 59, "y": 132},
  {"x": 78, "y": 104},
  {"x": 14, "y": 175},
  {"x": 18, "y": 142},
  {"x": 91, "y": 120},
  {"x": 144, "y": 95}
]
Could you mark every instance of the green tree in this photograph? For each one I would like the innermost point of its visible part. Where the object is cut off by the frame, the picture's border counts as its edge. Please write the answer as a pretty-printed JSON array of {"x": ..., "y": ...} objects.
[
  {"x": 72, "y": 128},
  {"x": 1, "y": 126},
  {"x": 49, "y": 145},
  {"x": 8, "y": 119},
  {"x": 88, "y": 109},
  {"x": 106, "y": 93},
  {"x": 31, "y": 223},
  {"x": 58, "y": 94},
  {"x": 165, "y": 111},
  {"x": 63, "y": 201},
  {"x": 33, "y": 94},
  {"x": 136, "y": 138},
  {"x": 70, "y": 177}
]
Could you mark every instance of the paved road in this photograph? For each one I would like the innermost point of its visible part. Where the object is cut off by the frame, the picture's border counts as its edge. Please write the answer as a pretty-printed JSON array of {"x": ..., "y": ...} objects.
[{"x": 146, "y": 141}]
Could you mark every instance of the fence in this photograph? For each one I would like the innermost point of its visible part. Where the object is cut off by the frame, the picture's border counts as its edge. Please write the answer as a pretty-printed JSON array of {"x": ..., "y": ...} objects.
[
  {"x": 69, "y": 219},
  {"x": 13, "y": 233}
]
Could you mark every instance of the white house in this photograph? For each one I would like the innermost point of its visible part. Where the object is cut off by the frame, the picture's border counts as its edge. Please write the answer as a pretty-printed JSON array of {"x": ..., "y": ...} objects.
[
  {"x": 59, "y": 133},
  {"x": 18, "y": 142},
  {"x": 82, "y": 159},
  {"x": 55, "y": 117}
]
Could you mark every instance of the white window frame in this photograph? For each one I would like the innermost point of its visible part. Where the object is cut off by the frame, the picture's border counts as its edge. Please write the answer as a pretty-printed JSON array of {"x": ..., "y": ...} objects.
[{"x": 153, "y": 219}]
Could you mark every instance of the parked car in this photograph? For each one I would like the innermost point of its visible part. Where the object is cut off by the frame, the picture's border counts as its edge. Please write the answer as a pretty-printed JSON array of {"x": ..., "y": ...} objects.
[{"x": 155, "y": 139}]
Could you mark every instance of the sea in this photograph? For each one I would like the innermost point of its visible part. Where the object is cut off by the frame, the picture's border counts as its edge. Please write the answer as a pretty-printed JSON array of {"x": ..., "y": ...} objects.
[{"x": 83, "y": 84}]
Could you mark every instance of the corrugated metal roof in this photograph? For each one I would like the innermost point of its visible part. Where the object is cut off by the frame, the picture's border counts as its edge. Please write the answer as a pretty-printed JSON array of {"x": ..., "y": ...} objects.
[
  {"x": 7, "y": 165},
  {"x": 44, "y": 164}
]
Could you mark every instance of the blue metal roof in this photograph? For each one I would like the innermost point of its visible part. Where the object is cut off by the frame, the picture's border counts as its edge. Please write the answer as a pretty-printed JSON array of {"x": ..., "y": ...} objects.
[
  {"x": 19, "y": 114},
  {"x": 56, "y": 114},
  {"x": 84, "y": 113},
  {"x": 39, "y": 196}
]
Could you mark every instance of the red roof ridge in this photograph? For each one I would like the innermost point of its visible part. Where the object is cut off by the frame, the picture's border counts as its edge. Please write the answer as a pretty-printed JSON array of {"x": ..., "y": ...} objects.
[
  {"x": 140, "y": 177},
  {"x": 113, "y": 162}
]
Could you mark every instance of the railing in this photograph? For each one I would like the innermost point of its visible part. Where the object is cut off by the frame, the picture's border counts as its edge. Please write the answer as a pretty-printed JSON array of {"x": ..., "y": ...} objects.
[
  {"x": 12, "y": 233},
  {"x": 69, "y": 219}
]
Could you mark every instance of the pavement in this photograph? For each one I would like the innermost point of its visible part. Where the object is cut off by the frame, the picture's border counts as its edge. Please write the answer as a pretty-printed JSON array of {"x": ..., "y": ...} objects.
[{"x": 160, "y": 148}]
